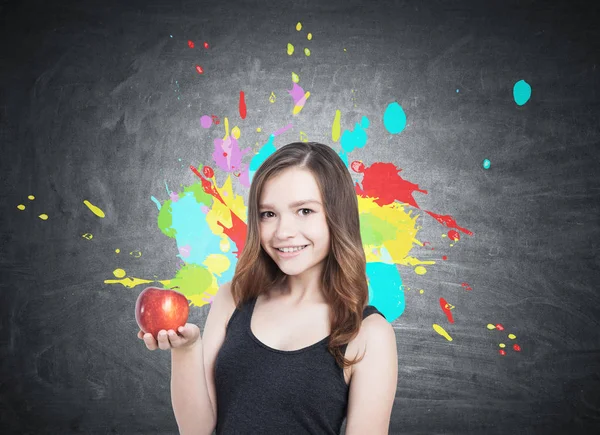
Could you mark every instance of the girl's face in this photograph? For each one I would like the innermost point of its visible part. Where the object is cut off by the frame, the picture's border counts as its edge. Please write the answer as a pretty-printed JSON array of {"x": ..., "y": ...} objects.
[{"x": 291, "y": 215}]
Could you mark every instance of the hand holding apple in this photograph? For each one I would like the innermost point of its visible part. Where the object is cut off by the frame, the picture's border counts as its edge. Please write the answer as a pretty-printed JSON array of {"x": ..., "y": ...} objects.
[{"x": 157, "y": 309}]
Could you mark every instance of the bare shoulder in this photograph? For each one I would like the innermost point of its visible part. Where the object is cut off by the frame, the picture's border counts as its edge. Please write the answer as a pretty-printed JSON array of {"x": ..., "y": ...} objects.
[{"x": 223, "y": 302}]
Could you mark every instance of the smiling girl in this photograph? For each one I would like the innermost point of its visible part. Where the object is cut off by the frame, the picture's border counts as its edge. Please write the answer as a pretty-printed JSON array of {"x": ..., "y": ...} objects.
[{"x": 290, "y": 345}]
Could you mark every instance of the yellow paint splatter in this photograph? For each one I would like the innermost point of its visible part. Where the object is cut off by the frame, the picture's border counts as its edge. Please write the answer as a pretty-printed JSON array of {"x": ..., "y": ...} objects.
[
  {"x": 136, "y": 254},
  {"x": 437, "y": 328},
  {"x": 129, "y": 282},
  {"x": 87, "y": 236},
  {"x": 224, "y": 244},
  {"x": 300, "y": 104},
  {"x": 336, "y": 128},
  {"x": 259, "y": 129},
  {"x": 295, "y": 77},
  {"x": 299, "y": 26},
  {"x": 502, "y": 345},
  {"x": 303, "y": 137},
  {"x": 21, "y": 207},
  {"x": 272, "y": 97},
  {"x": 235, "y": 132},
  {"x": 117, "y": 250},
  {"x": 217, "y": 263},
  {"x": 226, "y": 124},
  {"x": 290, "y": 49},
  {"x": 309, "y": 36},
  {"x": 490, "y": 326},
  {"x": 420, "y": 270},
  {"x": 31, "y": 197},
  {"x": 96, "y": 210},
  {"x": 307, "y": 52},
  {"x": 344, "y": 49},
  {"x": 512, "y": 336},
  {"x": 119, "y": 273},
  {"x": 421, "y": 291},
  {"x": 43, "y": 217}
]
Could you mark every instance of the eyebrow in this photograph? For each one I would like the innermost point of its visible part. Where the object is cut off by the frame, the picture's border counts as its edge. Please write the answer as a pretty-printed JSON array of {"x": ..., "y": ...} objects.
[{"x": 293, "y": 204}]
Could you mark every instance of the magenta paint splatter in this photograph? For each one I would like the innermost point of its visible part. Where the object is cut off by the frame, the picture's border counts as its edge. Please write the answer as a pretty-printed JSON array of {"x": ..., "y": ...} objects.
[{"x": 205, "y": 121}]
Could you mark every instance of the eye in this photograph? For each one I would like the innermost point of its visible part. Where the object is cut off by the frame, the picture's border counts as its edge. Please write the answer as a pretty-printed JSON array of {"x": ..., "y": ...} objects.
[
  {"x": 262, "y": 215},
  {"x": 307, "y": 209}
]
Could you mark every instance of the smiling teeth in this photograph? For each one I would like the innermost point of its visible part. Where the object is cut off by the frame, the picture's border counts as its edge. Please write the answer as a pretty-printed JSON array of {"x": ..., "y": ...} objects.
[{"x": 292, "y": 249}]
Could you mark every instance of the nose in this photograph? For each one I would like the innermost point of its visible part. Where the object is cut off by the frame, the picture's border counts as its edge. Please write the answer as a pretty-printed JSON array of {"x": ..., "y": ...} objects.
[{"x": 286, "y": 227}]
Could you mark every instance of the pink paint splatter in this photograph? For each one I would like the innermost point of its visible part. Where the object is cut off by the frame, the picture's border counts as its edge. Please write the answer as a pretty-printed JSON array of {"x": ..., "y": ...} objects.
[{"x": 205, "y": 121}]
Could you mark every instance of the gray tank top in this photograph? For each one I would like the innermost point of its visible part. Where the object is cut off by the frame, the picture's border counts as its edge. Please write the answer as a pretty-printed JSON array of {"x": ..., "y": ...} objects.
[{"x": 261, "y": 390}]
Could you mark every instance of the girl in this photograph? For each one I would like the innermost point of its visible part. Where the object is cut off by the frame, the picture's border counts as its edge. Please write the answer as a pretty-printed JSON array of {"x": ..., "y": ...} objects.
[{"x": 290, "y": 345}]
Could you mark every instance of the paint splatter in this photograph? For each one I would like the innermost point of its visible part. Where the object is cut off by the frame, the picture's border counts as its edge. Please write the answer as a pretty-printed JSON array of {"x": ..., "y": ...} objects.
[
  {"x": 303, "y": 137},
  {"x": 466, "y": 286},
  {"x": 43, "y": 217},
  {"x": 336, "y": 126},
  {"x": 242, "y": 105},
  {"x": 307, "y": 52},
  {"x": 295, "y": 77},
  {"x": 87, "y": 236},
  {"x": 502, "y": 352},
  {"x": 299, "y": 97},
  {"x": 309, "y": 36},
  {"x": 512, "y": 336},
  {"x": 290, "y": 49},
  {"x": 272, "y": 97},
  {"x": 299, "y": 26},
  {"x": 521, "y": 92},
  {"x": 199, "y": 69},
  {"x": 394, "y": 118},
  {"x": 486, "y": 164},
  {"x": 206, "y": 45},
  {"x": 454, "y": 235},
  {"x": 205, "y": 121},
  {"x": 516, "y": 347},
  {"x": 190, "y": 43},
  {"x": 437, "y": 328},
  {"x": 96, "y": 210},
  {"x": 446, "y": 309}
]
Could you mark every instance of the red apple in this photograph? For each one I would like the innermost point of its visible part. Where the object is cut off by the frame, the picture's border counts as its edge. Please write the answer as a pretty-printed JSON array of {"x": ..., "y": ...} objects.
[{"x": 157, "y": 309}]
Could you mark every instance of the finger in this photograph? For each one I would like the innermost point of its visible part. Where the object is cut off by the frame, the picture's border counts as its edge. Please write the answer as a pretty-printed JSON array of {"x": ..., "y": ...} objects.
[
  {"x": 163, "y": 341},
  {"x": 174, "y": 339},
  {"x": 150, "y": 341}
]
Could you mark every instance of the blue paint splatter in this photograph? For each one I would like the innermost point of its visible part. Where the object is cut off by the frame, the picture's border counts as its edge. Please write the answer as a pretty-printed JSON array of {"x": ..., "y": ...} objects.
[
  {"x": 156, "y": 201},
  {"x": 385, "y": 289},
  {"x": 521, "y": 92},
  {"x": 394, "y": 118},
  {"x": 357, "y": 138},
  {"x": 262, "y": 155}
]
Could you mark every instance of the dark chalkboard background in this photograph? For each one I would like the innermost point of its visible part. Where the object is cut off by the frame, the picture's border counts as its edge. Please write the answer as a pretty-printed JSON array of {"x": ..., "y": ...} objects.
[{"x": 99, "y": 102}]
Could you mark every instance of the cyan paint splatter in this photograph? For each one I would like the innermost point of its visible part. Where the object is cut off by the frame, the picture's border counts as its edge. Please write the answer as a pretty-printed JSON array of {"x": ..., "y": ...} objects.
[
  {"x": 521, "y": 92},
  {"x": 385, "y": 289},
  {"x": 486, "y": 164},
  {"x": 265, "y": 151},
  {"x": 394, "y": 118},
  {"x": 155, "y": 201},
  {"x": 356, "y": 138}
]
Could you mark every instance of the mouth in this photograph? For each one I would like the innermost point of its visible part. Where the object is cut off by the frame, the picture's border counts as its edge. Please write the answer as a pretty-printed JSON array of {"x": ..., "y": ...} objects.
[{"x": 293, "y": 253}]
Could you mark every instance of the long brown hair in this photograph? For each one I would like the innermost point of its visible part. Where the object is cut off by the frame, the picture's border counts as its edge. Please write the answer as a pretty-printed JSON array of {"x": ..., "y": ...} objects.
[{"x": 344, "y": 278}]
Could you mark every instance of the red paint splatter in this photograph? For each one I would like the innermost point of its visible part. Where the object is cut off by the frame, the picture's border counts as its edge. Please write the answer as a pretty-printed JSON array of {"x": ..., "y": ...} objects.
[
  {"x": 502, "y": 352},
  {"x": 215, "y": 119},
  {"x": 453, "y": 235},
  {"x": 444, "y": 257},
  {"x": 448, "y": 221},
  {"x": 446, "y": 310},
  {"x": 199, "y": 69},
  {"x": 516, "y": 347},
  {"x": 190, "y": 44},
  {"x": 237, "y": 231},
  {"x": 499, "y": 327},
  {"x": 466, "y": 286},
  {"x": 224, "y": 154},
  {"x": 206, "y": 45},
  {"x": 208, "y": 172},
  {"x": 242, "y": 105},
  {"x": 381, "y": 181},
  {"x": 357, "y": 166}
]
